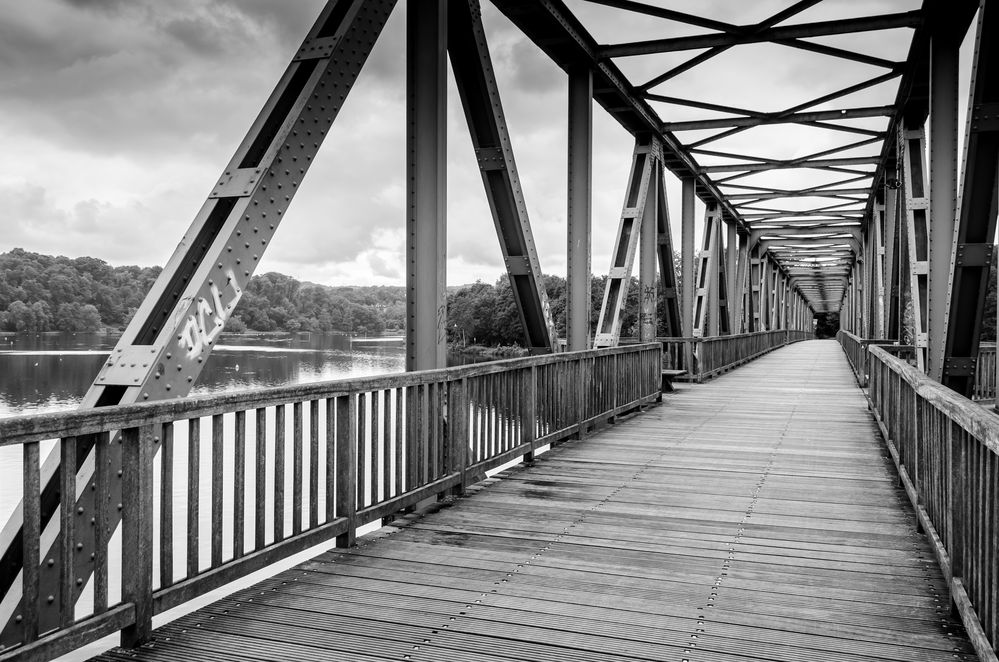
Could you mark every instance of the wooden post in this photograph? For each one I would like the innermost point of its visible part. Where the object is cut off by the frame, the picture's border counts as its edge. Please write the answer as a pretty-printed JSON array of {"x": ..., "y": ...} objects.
[
  {"x": 346, "y": 467},
  {"x": 530, "y": 408},
  {"x": 457, "y": 431},
  {"x": 137, "y": 532}
]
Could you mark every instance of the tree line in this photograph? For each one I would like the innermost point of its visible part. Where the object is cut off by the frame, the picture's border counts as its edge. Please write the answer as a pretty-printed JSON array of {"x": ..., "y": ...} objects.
[{"x": 56, "y": 293}]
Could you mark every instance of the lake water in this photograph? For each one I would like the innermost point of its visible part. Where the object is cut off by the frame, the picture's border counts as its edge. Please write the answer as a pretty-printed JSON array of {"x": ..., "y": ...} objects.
[{"x": 52, "y": 372}]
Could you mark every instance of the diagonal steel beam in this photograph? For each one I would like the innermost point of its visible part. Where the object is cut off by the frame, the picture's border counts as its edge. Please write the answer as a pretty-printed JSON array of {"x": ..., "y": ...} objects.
[
  {"x": 764, "y": 119},
  {"x": 165, "y": 346},
  {"x": 979, "y": 204},
  {"x": 480, "y": 98},
  {"x": 803, "y": 30}
]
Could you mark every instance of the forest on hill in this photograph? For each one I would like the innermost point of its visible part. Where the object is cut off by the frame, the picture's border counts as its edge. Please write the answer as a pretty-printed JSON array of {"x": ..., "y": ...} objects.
[{"x": 56, "y": 293}]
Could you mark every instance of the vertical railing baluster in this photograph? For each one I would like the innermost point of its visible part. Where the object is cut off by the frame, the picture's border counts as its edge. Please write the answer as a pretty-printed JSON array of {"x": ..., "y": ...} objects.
[
  {"x": 374, "y": 466},
  {"x": 279, "y": 459},
  {"x": 346, "y": 466},
  {"x": 331, "y": 446},
  {"x": 217, "y": 486},
  {"x": 67, "y": 532},
  {"x": 424, "y": 439},
  {"x": 31, "y": 540},
  {"x": 387, "y": 487},
  {"x": 412, "y": 436},
  {"x": 137, "y": 532},
  {"x": 362, "y": 449},
  {"x": 166, "y": 505},
  {"x": 399, "y": 453},
  {"x": 296, "y": 475},
  {"x": 239, "y": 487},
  {"x": 313, "y": 463},
  {"x": 102, "y": 483},
  {"x": 260, "y": 479},
  {"x": 457, "y": 455},
  {"x": 193, "y": 495}
]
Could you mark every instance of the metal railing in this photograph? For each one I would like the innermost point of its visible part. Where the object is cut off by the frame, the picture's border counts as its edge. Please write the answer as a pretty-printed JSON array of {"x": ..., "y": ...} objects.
[
  {"x": 706, "y": 357},
  {"x": 264, "y": 474},
  {"x": 946, "y": 449}
]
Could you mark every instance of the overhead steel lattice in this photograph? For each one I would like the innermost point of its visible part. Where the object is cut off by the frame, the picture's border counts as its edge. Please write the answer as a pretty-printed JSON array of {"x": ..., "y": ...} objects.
[{"x": 780, "y": 110}]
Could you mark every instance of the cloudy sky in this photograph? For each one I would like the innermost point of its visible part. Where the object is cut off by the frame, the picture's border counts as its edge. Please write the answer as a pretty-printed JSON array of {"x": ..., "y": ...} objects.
[{"x": 117, "y": 115}]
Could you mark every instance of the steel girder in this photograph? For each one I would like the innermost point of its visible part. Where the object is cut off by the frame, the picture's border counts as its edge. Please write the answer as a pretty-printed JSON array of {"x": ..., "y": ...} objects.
[
  {"x": 579, "y": 219},
  {"x": 426, "y": 181},
  {"x": 912, "y": 143},
  {"x": 672, "y": 315},
  {"x": 975, "y": 232},
  {"x": 646, "y": 160},
  {"x": 473, "y": 72},
  {"x": 710, "y": 304},
  {"x": 165, "y": 346}
]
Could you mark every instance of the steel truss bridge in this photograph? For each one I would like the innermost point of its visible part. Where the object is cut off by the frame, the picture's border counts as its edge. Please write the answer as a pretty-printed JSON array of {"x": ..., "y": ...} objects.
[{"x": 890, "y": 224}]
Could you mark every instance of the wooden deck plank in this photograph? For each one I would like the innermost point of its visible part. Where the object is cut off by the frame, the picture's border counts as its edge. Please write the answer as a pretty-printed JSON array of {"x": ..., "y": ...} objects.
[{"x": 751, "y": 518}]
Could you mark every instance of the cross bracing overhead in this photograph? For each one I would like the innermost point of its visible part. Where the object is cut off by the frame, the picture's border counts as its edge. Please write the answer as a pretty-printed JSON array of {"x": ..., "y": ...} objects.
[{"x": 793, "y": 133}]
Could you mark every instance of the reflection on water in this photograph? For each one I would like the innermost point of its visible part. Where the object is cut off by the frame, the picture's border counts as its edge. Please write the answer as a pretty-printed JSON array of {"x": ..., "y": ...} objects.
[{"x": 51, "y": 372}]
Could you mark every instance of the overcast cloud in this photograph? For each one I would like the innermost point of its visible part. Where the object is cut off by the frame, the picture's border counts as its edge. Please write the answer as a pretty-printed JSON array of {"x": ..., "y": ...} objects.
[{"x": 117, "y": 116}]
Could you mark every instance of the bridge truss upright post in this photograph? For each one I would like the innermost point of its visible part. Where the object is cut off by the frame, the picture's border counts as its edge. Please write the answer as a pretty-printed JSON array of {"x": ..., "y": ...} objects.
[
  {"x": 875, "y": 240},
  {"x": 710, "y": 315},
  {"x": 648, "y": 254},
  {"x": 646, "y": 161},
  {"x": 426, "y": 135},
  {"x": 945, "y": 46},
  {"x": 754, "y": 318},
  {"x": 579, "y": 223},
  {"x": 911, "y": 150},
  {"x": 740, "y": 290},
  {"x": 976, "y": 223},
  {"x": 892, "y": 256},
  {"x": 732, "y": 291},
  {"x": 687, "y": 258}
]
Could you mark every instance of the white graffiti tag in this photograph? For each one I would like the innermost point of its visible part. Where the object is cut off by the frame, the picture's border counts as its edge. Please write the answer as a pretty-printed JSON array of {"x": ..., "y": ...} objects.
[{"x": 206, "y": 323}]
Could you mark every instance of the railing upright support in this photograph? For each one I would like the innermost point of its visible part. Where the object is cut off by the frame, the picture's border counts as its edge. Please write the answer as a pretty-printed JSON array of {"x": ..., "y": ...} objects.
[
  {"x": 529, "y": 393},
  {"x": 137, "y": 532},
  {"x": 346, "y": 466},
  {"x": 457, "y": 428}
]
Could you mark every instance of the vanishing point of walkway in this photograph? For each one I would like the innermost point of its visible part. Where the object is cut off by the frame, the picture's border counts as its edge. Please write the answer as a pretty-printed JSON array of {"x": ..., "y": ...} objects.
[{"x": 754, "y": 517}]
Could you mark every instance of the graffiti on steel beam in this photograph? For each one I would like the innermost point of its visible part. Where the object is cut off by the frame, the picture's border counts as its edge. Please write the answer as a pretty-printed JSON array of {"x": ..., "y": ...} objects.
[{"x": 203, "y": 326}]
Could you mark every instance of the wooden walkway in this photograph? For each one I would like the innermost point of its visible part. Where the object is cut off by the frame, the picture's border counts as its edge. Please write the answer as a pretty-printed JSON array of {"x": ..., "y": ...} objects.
[{"x": 754, "y": 517}]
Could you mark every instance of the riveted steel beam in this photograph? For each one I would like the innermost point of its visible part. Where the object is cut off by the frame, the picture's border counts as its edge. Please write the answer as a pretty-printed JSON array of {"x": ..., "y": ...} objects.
[
  {"x": 804, "y": 30},
  {"x": 579, "y": 224},
  {"x": 976, "y": 223},
  {"x": 473, "y": 72},
  {"x": 426, "y": 136},
  {"x": 165, "y": 346},
  {"x": 765, "y": 119},
  {"x": 647, "y": 158},
  {"x": 915, "y": 188},
  {"x": 945, "y": 46}
]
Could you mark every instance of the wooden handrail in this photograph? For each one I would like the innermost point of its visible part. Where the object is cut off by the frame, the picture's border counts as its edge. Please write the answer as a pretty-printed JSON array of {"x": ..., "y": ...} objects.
[{"x": 946, "y": 450}]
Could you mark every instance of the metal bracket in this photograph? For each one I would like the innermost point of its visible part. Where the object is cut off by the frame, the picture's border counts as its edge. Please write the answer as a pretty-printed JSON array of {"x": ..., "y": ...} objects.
[
  {"x": 490, "y": 158},
  {"x": 974, "y": 255},
  {"x": 960, "y": 366},
  {"x": 315, "y": 49},
  {"x": 127, "y": 366},
  {"x": 237, "y": 183},
  {"x": 518, "y": 265},
  {"x": 985, "y": 118}
]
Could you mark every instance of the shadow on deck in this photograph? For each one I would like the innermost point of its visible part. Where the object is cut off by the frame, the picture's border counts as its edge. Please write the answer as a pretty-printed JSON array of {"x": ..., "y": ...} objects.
[{"x": 755, "y": 517}]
